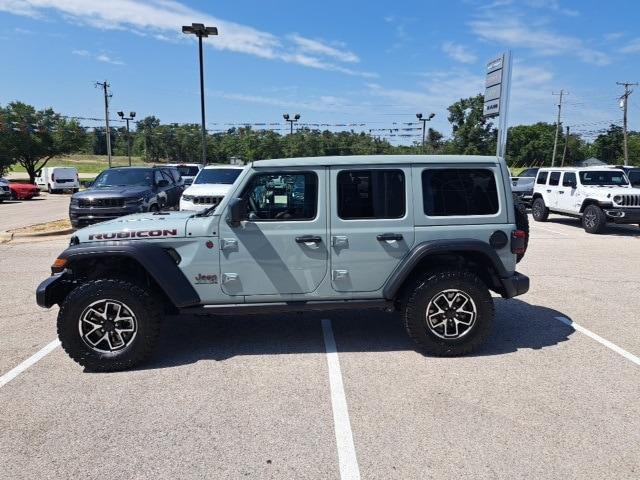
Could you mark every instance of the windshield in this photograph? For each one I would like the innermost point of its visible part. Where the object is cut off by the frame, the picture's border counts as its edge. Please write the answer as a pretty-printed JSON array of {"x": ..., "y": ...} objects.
[
  {"x": 121, "y": 177},
  {"x": 603, "y": 177},
  {"x": 188, "y": 171},
  {"x": 529, "y": 173},
  {"x": 225, "y": 176},
  {"x": 634, "y": 177}
]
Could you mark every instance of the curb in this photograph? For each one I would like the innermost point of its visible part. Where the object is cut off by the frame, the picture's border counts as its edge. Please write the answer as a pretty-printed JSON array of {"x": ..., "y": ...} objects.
[{"x": 6, "y": 237}]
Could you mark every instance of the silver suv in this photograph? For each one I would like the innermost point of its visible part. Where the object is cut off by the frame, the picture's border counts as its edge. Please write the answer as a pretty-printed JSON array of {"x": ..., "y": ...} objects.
[{"x": 428, "y": 236}]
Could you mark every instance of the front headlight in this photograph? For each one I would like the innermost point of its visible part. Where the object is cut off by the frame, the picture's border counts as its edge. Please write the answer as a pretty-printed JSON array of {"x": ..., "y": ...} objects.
[
  {"x": 617, "y": 199},
  {"x": 187, "y": 198}
]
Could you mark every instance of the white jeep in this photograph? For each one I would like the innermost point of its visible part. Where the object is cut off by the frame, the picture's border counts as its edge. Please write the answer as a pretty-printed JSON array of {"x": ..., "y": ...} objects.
[
  {"x": 597, "y": 195},
  {"x": 209, "y": 187}
]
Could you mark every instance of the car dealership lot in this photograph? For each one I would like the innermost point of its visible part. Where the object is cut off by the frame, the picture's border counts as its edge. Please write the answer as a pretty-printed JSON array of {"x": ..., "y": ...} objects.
[
  {"x": 41, "y": 209},
  {"x": 256, "y": 397}
]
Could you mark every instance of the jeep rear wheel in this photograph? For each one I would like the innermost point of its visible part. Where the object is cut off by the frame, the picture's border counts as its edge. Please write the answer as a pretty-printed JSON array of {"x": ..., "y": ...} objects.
[
  {"x": 449, "y": 313},
  {"x": 593, "y": 219},
  {"x": 108, "y": 325},
  {"x": 539, "y": 210}
]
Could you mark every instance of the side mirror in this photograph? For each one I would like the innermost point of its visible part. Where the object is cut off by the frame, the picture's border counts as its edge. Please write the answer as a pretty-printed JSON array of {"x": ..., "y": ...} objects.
[
  {"x": 237, "y": 210},
  {"x": 163, "y": 183}
]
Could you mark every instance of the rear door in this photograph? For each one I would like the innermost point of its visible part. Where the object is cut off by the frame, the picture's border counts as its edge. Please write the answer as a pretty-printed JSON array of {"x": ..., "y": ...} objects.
[
  {"x": 567, "y": 194},
  {"x": 553, "y": 186},
  {"x": 371, "y": 225}
]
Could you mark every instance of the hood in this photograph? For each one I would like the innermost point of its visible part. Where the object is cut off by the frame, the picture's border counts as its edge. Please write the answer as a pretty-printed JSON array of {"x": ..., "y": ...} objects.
[
  {"x": 110, "y": 192},
  {"x": 139, "y": 226},
  {"x": 608, "y": 190},
  {"x": 207, "y": 189},
  {"x": 4, "y": 182}
]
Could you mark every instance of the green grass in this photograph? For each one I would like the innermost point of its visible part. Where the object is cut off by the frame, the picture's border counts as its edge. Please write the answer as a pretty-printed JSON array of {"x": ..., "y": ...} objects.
[{"x": 87, "y": 163}]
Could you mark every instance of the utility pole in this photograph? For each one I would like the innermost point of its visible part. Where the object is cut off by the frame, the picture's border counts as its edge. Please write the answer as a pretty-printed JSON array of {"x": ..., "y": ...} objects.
[
  {"x": 566, "y": 141},
  {"x": 625, "y": 102},
  {"x": 555, "y": 142},
  {"x": 131, "y": 116},
  {"x": 105, "y": 86},
  {"x": 291, "y": 121}
]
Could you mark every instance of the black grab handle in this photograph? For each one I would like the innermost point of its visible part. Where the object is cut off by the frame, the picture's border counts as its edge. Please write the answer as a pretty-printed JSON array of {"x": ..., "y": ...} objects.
[{"x": 389, "y": 236}]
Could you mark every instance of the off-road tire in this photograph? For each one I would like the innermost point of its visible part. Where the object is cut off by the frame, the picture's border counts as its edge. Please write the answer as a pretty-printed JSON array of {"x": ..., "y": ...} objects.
[
  {"x": 522, "y": 223},
  {"x": 143, "y": 305},
  {"x": 593, "y": 219},
  {"x": 429, "y": 287},
  {"x": 154, "y": 208},
  {"x": 539, "y": 210}
]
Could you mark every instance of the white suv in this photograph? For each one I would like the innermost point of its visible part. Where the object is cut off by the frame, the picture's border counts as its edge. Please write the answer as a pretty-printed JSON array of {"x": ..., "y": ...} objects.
[
  {"x": 209, "y": 187},
  {"x": 597, "y": 195},
  {"x": 188, "y": 171}
]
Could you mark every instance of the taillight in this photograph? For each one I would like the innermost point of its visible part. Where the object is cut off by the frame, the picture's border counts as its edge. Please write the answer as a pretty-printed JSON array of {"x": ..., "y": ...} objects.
[{"x": 518, "y": 238}]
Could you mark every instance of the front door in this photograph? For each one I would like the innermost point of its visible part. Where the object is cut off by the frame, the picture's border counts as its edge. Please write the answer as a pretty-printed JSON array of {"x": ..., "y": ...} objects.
[
  {"x": 281, "y": 245},
  {"x": 552, "y": 190},
  {"x": 372, "y": 227}
]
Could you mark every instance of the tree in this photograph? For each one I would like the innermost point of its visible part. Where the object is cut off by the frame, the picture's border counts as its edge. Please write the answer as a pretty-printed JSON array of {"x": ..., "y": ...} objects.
[
  {"x": 473, "y": 134},
  {"x": 608, "y": 146},
  {"x": 32, "y": 138}
]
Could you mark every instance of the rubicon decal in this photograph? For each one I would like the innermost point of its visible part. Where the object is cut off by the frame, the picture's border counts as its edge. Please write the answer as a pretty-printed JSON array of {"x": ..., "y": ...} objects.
[{"x": 134, "y": 234}]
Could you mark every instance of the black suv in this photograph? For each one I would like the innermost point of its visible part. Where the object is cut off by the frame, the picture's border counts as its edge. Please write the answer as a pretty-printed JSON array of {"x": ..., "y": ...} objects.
[{"x": 125, "y": 190}]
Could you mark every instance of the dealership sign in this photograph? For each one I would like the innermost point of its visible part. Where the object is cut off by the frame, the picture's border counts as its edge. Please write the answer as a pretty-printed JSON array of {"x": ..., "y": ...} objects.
[{"x": 496, "y": 95}]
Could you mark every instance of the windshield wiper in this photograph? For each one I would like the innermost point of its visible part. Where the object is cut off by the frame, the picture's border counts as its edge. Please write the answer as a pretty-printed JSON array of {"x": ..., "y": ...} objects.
[{"x": 205, "y": 212}]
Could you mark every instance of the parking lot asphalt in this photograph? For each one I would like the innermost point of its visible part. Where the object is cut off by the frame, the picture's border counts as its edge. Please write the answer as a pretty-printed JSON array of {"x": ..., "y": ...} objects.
[
  {"x": 41, "y": 209},
  {"x": 252, "y": 397}
]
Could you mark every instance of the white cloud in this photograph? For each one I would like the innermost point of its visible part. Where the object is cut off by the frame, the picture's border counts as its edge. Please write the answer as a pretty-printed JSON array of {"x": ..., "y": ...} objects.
[
  {"x": 100, "y": 57},
  {"x": 317, "y": 104},
  {"x": 459, "y": 53},
  {"x": 514, "y": 33},
  {"x": 161, "y": 18},
  {"x": 316, "y": 46},
  {"x": 632, "y": 47}
]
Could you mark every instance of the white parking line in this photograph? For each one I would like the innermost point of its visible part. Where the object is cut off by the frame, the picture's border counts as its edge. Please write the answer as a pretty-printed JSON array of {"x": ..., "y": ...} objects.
[
  {"x": 344, "y": 438},
  {"x": 599, "y": 339},
  {"x": 11, "y": 374}
]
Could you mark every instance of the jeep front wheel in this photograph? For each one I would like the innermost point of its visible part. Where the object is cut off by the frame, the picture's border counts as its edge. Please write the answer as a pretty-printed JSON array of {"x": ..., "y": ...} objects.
[
  {"x": 539, "y": 210},
  {"x": 109, "y": 325},
  {"x": 449, "y": 313},
  {"x": 593, "y": 219}
]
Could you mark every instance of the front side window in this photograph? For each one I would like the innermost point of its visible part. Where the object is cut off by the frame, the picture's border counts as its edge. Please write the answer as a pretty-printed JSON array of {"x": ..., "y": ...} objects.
[
  {"x": 603, "y": 177},
  {"x": 459, "y": 191},
  {"x": 371, "y": 194},
  {"x": 282, "y": 196},
  {"x": 542, "y": 178},
  {"x": 634, "y": 177},
  {"x": 554, "y": 178}
]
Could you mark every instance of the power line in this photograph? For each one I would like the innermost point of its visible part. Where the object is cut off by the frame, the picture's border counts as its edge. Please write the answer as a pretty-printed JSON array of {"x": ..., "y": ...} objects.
[
  {"x": 555, "y": 142},
  {"x": 625, "y": 101}
]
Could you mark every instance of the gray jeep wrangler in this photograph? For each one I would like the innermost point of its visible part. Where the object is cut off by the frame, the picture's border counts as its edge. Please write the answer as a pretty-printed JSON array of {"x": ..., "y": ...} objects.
[{"x": 429, "y": 236}]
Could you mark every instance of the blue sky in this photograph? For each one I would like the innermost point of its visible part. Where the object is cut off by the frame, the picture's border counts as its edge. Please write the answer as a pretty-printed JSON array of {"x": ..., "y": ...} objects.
[{"x": 337, "y": 62}]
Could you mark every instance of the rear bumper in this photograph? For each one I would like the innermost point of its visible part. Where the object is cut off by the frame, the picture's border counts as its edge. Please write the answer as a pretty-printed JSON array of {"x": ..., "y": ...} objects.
[
  {"x": 623, "y": 215},
  {"x": 516, "y": 284}
]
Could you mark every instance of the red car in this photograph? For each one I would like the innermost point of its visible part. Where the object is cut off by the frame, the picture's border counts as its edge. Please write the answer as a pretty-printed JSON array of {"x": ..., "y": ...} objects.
[{"x": 23, "y": 191}]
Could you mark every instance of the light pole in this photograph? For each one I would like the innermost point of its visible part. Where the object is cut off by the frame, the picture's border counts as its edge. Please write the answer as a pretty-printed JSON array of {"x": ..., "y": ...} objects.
[
  {"x": 291, "y": 121},
  {"x": 200, "y": 31},
  {"x": 131, "y": 116},
  {"x": 424, "y": 125}
]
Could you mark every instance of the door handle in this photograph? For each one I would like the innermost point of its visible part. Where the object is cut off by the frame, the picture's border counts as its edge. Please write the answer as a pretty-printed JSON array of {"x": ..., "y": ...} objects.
[
  {"x": 561, "y": 191},
  {"x": 228, "y": 244},
  {"x": 389, "y": 236},
  {"x": 340, "y": 241},
  {"x": 309, "y": 239},
  {"x": 548, "y": 191}
]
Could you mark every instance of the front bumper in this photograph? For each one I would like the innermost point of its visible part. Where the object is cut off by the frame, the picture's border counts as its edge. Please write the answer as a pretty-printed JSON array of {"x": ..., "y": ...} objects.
[
  {"x": 623, "y": 215},
  {"x": 5, "y": 194},
  {"x": 52, "y": 290},
  {"x": 82, "y": 216},
  {"x": 516, "y": 284}
]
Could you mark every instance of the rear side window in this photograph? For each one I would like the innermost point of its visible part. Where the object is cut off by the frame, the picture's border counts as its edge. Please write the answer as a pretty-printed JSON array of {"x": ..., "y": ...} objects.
[
  {"x": 542, "y": 178},
  {"x": 554, "y": 178},
  {"x": 568, "y": 179},
  {"x": 459, "y": 191},
  {"x": 371, "y": 194}
]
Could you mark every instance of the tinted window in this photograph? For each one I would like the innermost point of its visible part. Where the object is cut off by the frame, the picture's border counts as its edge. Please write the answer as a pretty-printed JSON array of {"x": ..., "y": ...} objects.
[
  {"x": 175, "y": 174},
  {"x": 168, "y": 177},
  {"x": 124, "y": 176},
  {"x": 218, "y": 175},
  {"x": 459, "y": 191},
  {"x": 529, "y": 172},
  {"x": 542, "y": 178},
  {"x": 371, "y": 194},
  {"x": 157, "y": 176},
  {"x": 602, "y": 177},
  {"x": 554, "y": 178},
  {"x": 634, "y": 177},
  {"x": 568, "y": 179},
  {"x": 282, "y": 197},
  {"x": 187, "y": 170}
]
